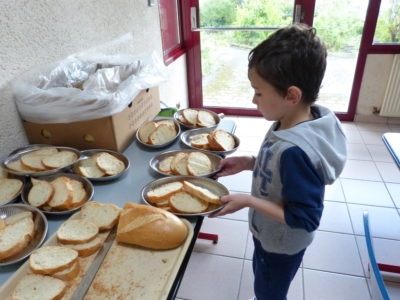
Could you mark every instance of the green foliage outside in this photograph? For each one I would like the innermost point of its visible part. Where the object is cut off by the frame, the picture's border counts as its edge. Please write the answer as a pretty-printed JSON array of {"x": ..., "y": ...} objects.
[{"x": 388, "y": 27}]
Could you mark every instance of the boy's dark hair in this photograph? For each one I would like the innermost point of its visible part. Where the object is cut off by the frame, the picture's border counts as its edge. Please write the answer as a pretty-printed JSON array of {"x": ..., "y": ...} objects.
[{"x": 293, "y": 55}]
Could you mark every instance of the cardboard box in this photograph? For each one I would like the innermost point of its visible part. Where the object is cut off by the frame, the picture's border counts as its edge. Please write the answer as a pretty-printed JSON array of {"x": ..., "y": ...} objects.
[{"x": 115, "y": 132}]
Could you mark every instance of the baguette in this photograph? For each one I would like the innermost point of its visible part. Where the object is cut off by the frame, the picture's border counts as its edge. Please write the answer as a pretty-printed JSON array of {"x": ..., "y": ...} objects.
[
  {"x": 15, "y": 237},
  {"x": 40, "y": 193},
  {"x": 199, "y": 164},
  {"x": 164, "y": 191},
  {"x": 201, "y": 193},
  {"x": 150, "y": 227},
  {"x": 184, "y": 202},
  {"x": 109, "y": 163},
  {"x": 52, "y": 259},
  {"x": 105, "y": 216},
  {"x": 78, "y": 231},
  {"x": 35, "y": 287},
  {"x": 9, "y": 189}
]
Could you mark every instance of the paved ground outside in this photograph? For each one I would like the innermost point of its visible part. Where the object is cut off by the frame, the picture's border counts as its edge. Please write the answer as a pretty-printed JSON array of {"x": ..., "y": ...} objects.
[{"x": 228, "y": 85}]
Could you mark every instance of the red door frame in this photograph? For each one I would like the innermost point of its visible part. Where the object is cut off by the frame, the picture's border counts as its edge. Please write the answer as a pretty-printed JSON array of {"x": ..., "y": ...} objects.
[{"x": 191, "y": 42}]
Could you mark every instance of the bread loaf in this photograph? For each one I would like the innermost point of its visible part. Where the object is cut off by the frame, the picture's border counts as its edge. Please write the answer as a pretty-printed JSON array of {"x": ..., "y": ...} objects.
[
  {"x": 35, "y": 287},
  {"x": 51, "y": 259},
  {"x": 150, "y": 227}
]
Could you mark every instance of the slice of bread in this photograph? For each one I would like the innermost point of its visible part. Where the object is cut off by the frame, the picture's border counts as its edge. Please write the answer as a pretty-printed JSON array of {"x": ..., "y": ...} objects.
[
  {"x": 164, "y": 133},
  {"x": 146, "y": 130},
  {"x": 109, "y": 163},
  {"x": 200, "y": 141},
  {"x": 88, "y": 248},
  {"x": 182, "y": 119},
  {"x": 105, "y": 216},
  {"x": 16, "y": 165},
  {"x": 59, "y": 159},
  {"x": 51, "y": 259},
  {"x": 3, "y": 173},
  {"x": 220, "y": 140},
  {"x": 163, "y": 192},
  {"x": 2, "y": 223},
  {"x": 69, "y": 273},
  {"x": 200, "y": 192},
  {"x": 79, "y": 194},
  {"x": 167, "y": 122},
  {"x": 15, "y": 237},
  {"x": 205, "y": 119},
  {"x": 63, "y": 193},
  {"x": 179, "y": 164},
  {"x": 186, "y": 203},
  {"x": 165, "y": 165},
  {"x": 190, "y": 116},
  {"x": 77, "y": 232},
  {"x": 35, "y": 286},
  {"x": 9, "y": 189},
  {"x": 33, "y": 161},
  {"x": 88, "y": 167},
  {"x": 40, "y": 193},
  {"x": 199, "y": 164},
  {"x": 45, "y": 151},
  {"x": 18, "y": 216}
]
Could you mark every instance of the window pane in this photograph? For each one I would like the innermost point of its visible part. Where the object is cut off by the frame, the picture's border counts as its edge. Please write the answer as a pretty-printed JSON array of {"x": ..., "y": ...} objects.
[
  {"x": 169, "y": 24},
  {"x": 388, "y": 27}
]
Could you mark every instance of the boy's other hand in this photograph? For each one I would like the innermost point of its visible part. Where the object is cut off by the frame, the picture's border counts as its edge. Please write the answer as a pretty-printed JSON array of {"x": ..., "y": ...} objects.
[
  {"x": 233, "y": 202},
  {"x": 235, "y": 164}
]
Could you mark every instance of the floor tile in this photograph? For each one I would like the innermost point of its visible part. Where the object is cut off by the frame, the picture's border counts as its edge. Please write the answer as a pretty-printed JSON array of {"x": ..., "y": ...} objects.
[
  {"x": 384, "y": 221},
  {"x": 211, "y": 277},
  {"x": 386, "y": 251},
  {"x": 379, "y": 153},
  {"x": 372, "y": 138},
  {"x": 374, "y": 127},
  {"x": 389, "y": 172},
  {"x": 232, "y": 237},
  {"x": 366, "y": 192},
  {"x": 334, "y": 192},
  {"x": 394, "y": 190},
  {"x": 241, "y": 215},
  {"x": 240, "y": 182},
  {"x": 349, "y": 126},
  {"x": 358, "y": 151},
  {"x": 246, "y": 284},
  {"x": 353, "y": 136},
  {"x": 333, "y": 252},
  {"x": 335, "y": 218},
  {"x": 360, "y": 169},
  {"x": 330, "y": 286}
]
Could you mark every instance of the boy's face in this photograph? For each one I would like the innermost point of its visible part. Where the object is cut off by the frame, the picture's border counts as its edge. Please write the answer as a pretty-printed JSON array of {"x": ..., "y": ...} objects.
[{"x": 270, "y": 103}]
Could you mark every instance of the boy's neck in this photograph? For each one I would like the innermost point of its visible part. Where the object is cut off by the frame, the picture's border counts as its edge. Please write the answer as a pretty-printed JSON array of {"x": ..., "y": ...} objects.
[{"x": 298, "y": 115}]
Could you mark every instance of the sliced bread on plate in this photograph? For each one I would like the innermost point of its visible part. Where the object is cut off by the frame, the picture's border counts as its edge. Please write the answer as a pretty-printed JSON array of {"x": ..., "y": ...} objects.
[
  {"x": 184, "y": 202},
  {"x": 77, "y": 231},
  {"x": 51, "y": 259},
  {"x": 163, "y": 192},
  {"x": 15, "y": 237},
  {"x": 199, "y": 164},
  {"x": 105, "y": 216},
  {"x": 34, "y": 286}
]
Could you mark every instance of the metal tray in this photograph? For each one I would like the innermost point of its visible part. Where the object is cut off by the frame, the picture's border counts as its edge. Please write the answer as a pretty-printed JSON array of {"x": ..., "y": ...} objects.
[
  {"x": 212, "y": 185},
  {"x": 187, "y": 136},
  {"x": 215, "y": 160},
  {"x": 217, "y": 118},
  {"x": 16, "y": 154},
  {"x": 41, "y": 226},
  {"x": 178, "y": 130},
  {"x": 23, "y": 180},
  {"x": 86, "y": 184},
  {"x": 89, "y": 153}
]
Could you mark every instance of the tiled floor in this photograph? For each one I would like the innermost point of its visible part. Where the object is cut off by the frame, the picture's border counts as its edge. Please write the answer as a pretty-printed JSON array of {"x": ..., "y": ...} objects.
[{"x": 334, "y": 266}]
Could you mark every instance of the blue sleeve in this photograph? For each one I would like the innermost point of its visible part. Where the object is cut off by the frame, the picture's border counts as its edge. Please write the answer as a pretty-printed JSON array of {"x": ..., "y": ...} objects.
[{"x": 302, "y": 190}]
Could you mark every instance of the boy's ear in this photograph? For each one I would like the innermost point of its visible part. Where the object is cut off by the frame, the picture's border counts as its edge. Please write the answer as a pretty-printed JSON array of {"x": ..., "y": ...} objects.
[{"x": 294, "y": 94}]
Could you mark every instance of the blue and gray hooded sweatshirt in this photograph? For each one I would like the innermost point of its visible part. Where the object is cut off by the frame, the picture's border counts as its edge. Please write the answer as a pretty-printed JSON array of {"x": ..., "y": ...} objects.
[{"x": 292, "y": 167}]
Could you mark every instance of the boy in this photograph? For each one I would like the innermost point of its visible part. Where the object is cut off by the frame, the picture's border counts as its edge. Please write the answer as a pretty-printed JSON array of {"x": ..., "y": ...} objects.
[{"x": 304, "y": 150}]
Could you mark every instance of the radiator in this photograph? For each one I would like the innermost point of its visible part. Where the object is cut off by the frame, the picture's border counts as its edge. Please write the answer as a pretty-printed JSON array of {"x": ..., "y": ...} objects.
[{"x": 391, "y": 101}]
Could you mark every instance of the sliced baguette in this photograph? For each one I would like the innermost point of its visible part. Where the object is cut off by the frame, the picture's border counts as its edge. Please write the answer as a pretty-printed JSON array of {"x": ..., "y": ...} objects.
[
  {"x": 16, "y": 165},
  {"x": 205, "y": 119},
  {"x": 9, "y": 189},
  {"x": 190, "y": 116},
  {"x": 164, "y": 133},
  {"x": 165, "y": 165},
  {"x": 164, "y": 191},
  {"x": 40, "y": 194},
  {"x": 77, "y": 232},
  {"x": 220, "y": 140},
  {"x": 59, "y": 159},
  {"x": 89, "y": 168},
  {"x": 186, "y": 203},
  {"x": 51, "y": 259},
  {"x": 200, "y": 141},
  {"x": 15, "y": 237},
  {"x": 105, "y": 216},
  {"x": 199, "y": 164},
  {"x": 69, "y": 273},
  {"x": 109, "y": 163},
  {"x": 167, "y": 122},
  {"x": 63, "y": 193},
  {"x": 200, "y": 192},
  {"x": 33, "y": 161},
  {"x": 45, "y": 151},
  {"x": 18, "y": 216},
  {"x": 146, "y": 130},
  {"x": 3, "y": 173},
  {"x": 88, "y": 248},
  {"x": 79, "y": 194},
  {"x": 35, "y": 287},
  {"x": 179, "y": 164}
]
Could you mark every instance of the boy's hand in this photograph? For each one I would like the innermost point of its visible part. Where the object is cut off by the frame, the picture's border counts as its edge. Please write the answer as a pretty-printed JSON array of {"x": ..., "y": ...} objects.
[
  {"x": 233, "y": 202},
  {"x": 235, "y": 164}
]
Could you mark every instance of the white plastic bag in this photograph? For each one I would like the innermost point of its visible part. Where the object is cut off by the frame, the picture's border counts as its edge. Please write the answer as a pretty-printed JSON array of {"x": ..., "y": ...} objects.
[{"x": 85, "y": 86}]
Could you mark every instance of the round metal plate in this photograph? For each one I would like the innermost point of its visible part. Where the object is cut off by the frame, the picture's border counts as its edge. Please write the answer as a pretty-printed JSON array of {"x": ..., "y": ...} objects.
[
  {"x": 89, "y": 153},
  {"x": 212, "y": 185},
  {"x": 86, "y": 184},
  {"x": 178, "y": 130},
  {"x": 155, "y": 161},
  {"x": 41, "y": 226}
]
